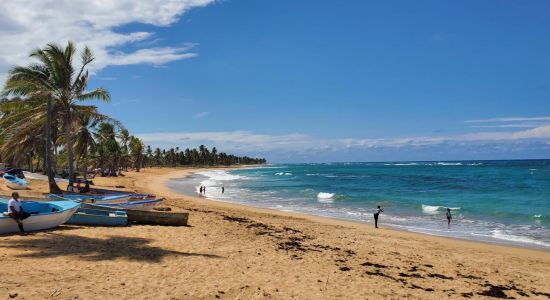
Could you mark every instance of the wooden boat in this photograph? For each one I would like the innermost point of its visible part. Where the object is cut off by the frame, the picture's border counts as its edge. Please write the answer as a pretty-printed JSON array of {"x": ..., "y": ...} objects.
[
  {"x": 99, "y": 217},
  {"x": 44, "y": 215},
  {"x": 138, "y": 204},
  {"x": 15, "y": 183},
  {"x": 149, "y": 216},
  {"x": 111, "y": 199}
]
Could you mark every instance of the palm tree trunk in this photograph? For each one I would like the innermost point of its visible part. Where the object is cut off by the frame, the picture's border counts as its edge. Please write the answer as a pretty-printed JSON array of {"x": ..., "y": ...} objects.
[
  {"x": 69, "y": 143},
  {"x": 54, "y": 189},
  {"x": 85, "y": 169}
]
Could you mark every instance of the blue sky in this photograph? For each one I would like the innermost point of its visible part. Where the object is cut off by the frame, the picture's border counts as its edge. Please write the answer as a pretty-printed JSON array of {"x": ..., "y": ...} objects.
[{"x": 330, "y": 81}]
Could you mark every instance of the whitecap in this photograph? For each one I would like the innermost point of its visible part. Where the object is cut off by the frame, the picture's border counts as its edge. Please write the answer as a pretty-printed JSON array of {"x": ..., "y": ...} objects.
[
  {"x": 449, "y": 164},
  {"x": 432, "y": 209},
  {"x": 325, "y": 197}
]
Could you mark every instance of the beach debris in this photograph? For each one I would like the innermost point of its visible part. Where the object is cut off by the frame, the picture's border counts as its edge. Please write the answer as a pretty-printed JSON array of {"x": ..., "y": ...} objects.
[
  {"x": 440, "y": 276},
  {"x": 56, "y": 292},
  {"x": 468, "y": 276},
  {"x": 13, "y": 295},
  {"x": 414, "y": 275},
  {"x": 540, "y": 294},
  {"x": 467, "y": 295},
  {"x": 369, "y": 264},
  {"x": 345, "y": 269},
  {"x": 414, "y": 286}
]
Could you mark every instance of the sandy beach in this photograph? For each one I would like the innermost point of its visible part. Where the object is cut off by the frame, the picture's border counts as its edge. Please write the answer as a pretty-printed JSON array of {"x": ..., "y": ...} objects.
[{"x": 231, "y": 251}]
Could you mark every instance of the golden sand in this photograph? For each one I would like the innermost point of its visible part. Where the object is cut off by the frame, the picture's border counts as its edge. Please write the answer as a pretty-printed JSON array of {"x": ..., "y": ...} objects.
[{"x": 231, "y": 251}]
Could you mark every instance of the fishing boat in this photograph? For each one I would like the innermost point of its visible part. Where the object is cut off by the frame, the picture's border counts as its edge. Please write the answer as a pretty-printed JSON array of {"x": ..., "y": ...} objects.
[
  {"x": 110, "y": 199},
  {"x": 150, "y": 217},
  {"x": 137, "y": 204},
  {"x": 98, "y": 217},
  {"x": 44, "y": 215},
  {"x": 15, "y": 183},
  {"x": 122, "y": 201}
]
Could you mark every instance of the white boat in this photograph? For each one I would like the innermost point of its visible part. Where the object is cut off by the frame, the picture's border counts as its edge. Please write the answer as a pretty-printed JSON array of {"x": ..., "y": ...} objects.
[
  {"x": 138, "y": 204},
  {"x": 15, "y": 183},
  {"x": 44, "y": 215}
]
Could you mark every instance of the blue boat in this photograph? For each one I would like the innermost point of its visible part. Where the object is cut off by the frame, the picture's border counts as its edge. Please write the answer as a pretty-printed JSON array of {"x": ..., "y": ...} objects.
[
  {"x": 15, "y": 183},
  {"x": 99, "y": 217},
  {"x": 112, "y": 199},
  {"x": 139, "y": 204},
  {"x": 44, "y": 215}
]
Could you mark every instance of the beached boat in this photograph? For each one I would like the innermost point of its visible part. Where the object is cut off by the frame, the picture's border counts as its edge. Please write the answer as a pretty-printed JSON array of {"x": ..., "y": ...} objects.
[
  {"x": 98, "y": 217},
  {"x": 44, "y": 215},
  {"x": 137, "y": 204},
  {"x": 149, "y": 216},
  {"x": 111, "y": 199},
  {"x": 15, "y": 183},
  {"x": 123, "y": 201}
]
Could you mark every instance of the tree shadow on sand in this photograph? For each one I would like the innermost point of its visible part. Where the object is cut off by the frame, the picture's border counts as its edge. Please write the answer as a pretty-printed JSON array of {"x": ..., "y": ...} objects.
[{"x": 95, "y": 249}]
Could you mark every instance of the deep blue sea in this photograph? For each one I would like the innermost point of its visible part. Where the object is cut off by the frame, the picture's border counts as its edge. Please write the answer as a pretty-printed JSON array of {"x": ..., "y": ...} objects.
[{"x": 494, "y": 201}]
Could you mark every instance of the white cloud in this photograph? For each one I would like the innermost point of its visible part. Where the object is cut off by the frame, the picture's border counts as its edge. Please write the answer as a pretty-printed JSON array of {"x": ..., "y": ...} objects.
[
  {"x": 246, "y": 141},
  {"x": 202, "y": 114},
  {"x": 509, "y": 119},
  {"x": 28, "y": 24}
]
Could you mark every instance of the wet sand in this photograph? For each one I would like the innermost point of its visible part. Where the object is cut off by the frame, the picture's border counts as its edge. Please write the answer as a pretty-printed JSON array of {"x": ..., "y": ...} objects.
[{"x": 231, "y": 251}]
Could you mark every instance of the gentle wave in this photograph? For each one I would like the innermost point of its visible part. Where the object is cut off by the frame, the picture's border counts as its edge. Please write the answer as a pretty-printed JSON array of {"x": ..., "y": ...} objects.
[
  {"x": 432, "y": 209},
  {"x": 283, "y": 174},
  {"x": 325, "y": 197},
  {"x": 498, "y": 234}
]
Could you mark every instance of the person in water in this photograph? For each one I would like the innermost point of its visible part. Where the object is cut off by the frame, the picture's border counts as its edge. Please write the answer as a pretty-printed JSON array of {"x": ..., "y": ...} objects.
[
  {"x": 200, "y": 190},
  {"x": 16, "y": 212},
  {"x": 449, "y": 218},
  {"x": 223, "y": 189},
  {"x": 376, "y": 214}
]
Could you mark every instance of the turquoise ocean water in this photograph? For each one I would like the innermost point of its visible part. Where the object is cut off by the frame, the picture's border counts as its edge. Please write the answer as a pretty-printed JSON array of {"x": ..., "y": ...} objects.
[{"x": 495, "y": 201}]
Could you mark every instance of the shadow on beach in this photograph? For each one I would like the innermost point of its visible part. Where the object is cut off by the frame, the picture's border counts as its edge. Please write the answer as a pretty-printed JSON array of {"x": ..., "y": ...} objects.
[{"x": 94, "y": 249}]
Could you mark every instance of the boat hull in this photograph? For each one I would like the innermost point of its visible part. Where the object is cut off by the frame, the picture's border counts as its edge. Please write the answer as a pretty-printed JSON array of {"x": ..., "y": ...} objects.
[
  {"x": 140, "y": 205},
  {"x": 98, "y": 217},
  {"x": 149, "y": 217},
  {"x": 39, "y": 221},
  {"x": 157, "y": 217}
]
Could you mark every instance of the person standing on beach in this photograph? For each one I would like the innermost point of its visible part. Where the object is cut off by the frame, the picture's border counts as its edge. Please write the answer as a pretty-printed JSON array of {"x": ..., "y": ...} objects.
[
  {"x": 376, "y": 214},
  {"x": 15, "y": 211},
  {"x": 200, "y": 190},
  {"x": 449, "y": 218}
]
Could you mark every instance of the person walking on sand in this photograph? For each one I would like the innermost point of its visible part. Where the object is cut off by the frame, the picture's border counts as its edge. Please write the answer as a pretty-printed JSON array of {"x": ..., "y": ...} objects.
[
  {"x": 449, "y": 218},
  {"x": 16, "y": 212},
  {"x": 376, "y": 214}
]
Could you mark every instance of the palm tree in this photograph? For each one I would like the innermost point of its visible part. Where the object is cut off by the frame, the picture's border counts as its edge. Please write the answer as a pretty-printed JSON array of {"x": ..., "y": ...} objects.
[
  {"x": 56, "y": 76},
  {"x": 136, "y": 149}
]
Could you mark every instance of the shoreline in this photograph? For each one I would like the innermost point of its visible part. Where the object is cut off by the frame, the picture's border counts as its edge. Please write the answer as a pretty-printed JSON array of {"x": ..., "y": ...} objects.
[
  {"x": 232, "y": 251},
  {"x": 333, "y": 220}
]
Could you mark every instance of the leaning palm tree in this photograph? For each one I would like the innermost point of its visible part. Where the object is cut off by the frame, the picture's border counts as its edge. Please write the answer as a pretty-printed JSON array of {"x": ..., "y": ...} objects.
[{"x": 56, "y": 76}]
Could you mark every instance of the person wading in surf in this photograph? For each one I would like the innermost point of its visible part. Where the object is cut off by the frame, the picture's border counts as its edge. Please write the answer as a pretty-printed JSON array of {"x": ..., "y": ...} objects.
[
  {"x": 376, "y": 214},
  {"x": 449, "y": 218}
]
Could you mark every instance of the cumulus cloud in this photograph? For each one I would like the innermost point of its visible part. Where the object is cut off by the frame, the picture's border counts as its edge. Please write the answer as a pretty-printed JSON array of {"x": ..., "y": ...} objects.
[
  {"x": 247, "y": 142},
  {"x": 28, "y": 24}
]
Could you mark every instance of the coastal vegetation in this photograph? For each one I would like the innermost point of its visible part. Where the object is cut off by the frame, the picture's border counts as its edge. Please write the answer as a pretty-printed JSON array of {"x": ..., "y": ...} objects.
[{"x": 47, "y": 124}]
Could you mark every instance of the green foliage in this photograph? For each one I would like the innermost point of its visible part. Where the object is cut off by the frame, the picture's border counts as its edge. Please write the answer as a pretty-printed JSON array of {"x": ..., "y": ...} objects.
[{"x": 195, "y": 157}]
